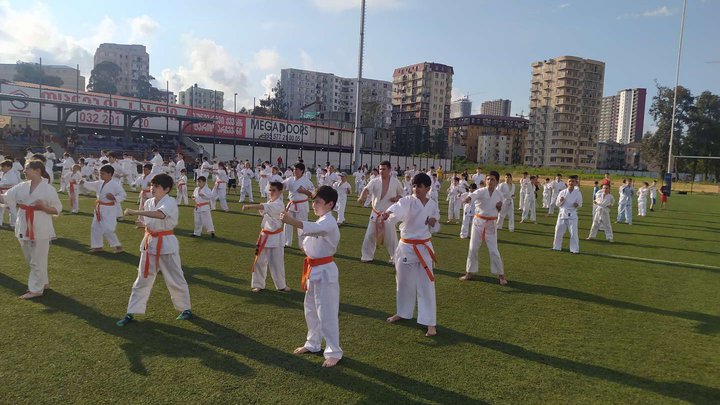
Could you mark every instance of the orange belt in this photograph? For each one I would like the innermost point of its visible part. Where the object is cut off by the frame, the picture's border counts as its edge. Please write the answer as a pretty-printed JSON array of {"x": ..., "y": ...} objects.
[
  {"x": 198, "y": 205},
  {"x": 287, "y": 207},
  {"x": 261, "y": 242},
  {"x": 308, "y": 264},
  {"x": 98, "y": 203},
  {"x": 158, "y": 248},
  {"x": 4, "y": 189},
  {"x": 29, "y": 220},
  {"x": 180, "y": 186},
  {"x": 72, "y": 193},
  {"x": 379, "y": 228},
  {"x": 423, "y": 242},
  {"x": 485, "y": 223}
]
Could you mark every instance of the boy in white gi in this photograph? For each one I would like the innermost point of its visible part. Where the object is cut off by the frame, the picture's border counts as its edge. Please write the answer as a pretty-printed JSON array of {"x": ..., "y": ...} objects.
[
  {"x": 73, "y": 180},
  {"x": 488, "y": 202},
  {"x": 343, "y": 189},
  {"x": 653, "y": 195},
  {"x": 220, "y": 188},
  {"x": 38, "y": 202},
  {"x": 143, "y": 182},
  {"x": 110, "y": 195},
  {"x": 642, "y": 199},
  {"x": 245, "y": 177},
  {"x": 67, "y": 163},
  {"x": 478, "y": 177},
  {"x": 435, "y": 188},
  {"x": 274, "y": 176},
  {"x": 568, "y": 201},
  {"x": 507, "y": 189},
  {"x": 468, "y": 212},
  {"x": 319, "y": 241},
  {"x": 8, "y": 180},
  {"x": 159, "y": 252},
  {"x": 299, "y": 189},
  {"x": 547, "y": 193},
  {"x": 50, "y": 163},
  {"x": 453, "y": 199},
  {"x": 524, "y": 189},
  {"x": 182, "y": 196},
  {"x": 407, "y": 185},
  {"x": 359, "y": 176},
  {"x": 558, "y": 185},
  {"x": 625, "y": 202},
  {"x": 156, "y": 161},
  {"x": 415, "y": 256},
  {"x": 603, "y": 203},
  {"x": 202, "y": 213},
  {"x": 269, "y": 248},
  {"x": 180, "y": 165},
  {"x": 383, "y": 191},
  {"x": 528, "y": 212}
]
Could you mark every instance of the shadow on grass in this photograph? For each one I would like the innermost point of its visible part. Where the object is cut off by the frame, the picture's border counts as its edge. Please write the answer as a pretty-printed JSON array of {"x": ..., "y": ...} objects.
[{"x": 72, "y": 244}]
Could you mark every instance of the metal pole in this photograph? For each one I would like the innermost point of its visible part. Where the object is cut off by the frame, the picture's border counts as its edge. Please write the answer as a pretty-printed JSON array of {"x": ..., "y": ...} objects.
[
  {"x": 167, "y": 111},
  {"x": 252, "y": 123},
  {"x": 214, "y": 123},
  {"x": 234, "y": 125},
  {"x": 287, "y": 140},
  {"x": 315, "y": 148},
  {"x": 40, "y": 104},
  {"x": 358, "y": 98},
  {"x": 677, "y": 79},
  {"x": 271, "y": 136},
  {"x": 77, "y": 99}
]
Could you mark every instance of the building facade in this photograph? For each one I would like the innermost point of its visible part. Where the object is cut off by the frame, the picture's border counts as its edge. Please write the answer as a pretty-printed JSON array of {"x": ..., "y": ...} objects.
[
  {"x": 622, "y": 116},
  {"x": 489, "y": 138},
  {"x": 169, "y": 95},
  {"x": 565, "y": 99},
  {"x": 72, "y": 80},
  {"x": 461, "y": 107},
  {"x": 610, "y": 155},
  {"x": 496, "y": 107},
  {"x": 421, "y": 107},
  {"x": 134, "y": 63},
  {"x": 199, "y": 97}
]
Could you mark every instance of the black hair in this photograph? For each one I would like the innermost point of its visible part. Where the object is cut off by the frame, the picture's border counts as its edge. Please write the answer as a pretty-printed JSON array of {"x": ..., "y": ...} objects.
[
  {"x": 473, "y": 186},
  {"x": 277, "y": 184},
  {"x": 147, "y": 166},
  {"x": 108, "y": 169},
  {"x": 386, "y": 163},
  {"x": 573, "y": 177},
  {"x": 508, "y": 174},
  {"x": 202, "y": 178},
  {"x": 494, "y": 174},
  {"x": 6, "y": 163},
  {"x": 300, "y": 166},
  {"x": 38, "y": 165},
  {"x": 421, "y": 179},
  {"x": 163, "y": 180},
  {"x": 328, "y": 194},
  {"x": 40, "y": 157}
]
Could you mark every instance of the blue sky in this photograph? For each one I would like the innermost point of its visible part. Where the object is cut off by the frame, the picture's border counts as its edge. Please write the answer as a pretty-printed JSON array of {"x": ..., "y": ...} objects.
[{"x": 240, "y": 46}]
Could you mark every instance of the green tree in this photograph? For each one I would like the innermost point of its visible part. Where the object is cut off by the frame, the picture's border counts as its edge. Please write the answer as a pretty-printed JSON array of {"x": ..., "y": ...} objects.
[
  {"x": 703, "y": 134},
  {"x": 275, "y": 105},
  {"x": 32, "y": 73},
  {"x": 104, "y": 78}
]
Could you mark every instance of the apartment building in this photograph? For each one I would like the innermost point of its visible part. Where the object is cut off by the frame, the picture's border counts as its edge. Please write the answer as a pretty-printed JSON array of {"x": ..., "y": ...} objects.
[{"x": 133, "y": 60}]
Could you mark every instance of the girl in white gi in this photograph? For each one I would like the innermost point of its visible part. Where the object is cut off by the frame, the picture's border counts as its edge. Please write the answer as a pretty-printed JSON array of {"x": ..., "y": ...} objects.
[
  {"x": 203, "y": 214},
  {"x": 50, "y": 163},
  {"x": 407, "y": 185},
  {"x": 558, "y": 185},
  {"x": 642, "y": 199},
  {"x": 603, "y": 203},
  {"x": 245, "y": 177},
  {"x": 343, "y": 189},
  {"x": 182, "y": 197},
  {"x": 468, "y": 212},
  {"x": 507, "y": 189},
  {"x": 528, "y": 213},
  {"x": 488, "y": 202},
  {"x": 414, "y": 256},
  {"x": 159, "y": 252},
  {"x": 270, "y": 246},
  {"x": 547, "y": 193},
  {"x": 453, "y": 199},
  {"x": 220, "y": 189},
  {"x": 110, "y": 195},
  {"x": 73, "y": 181},
  {"x": 568, "y": 201},
  {"x": 299, "y": 189},
  {"x": 320, "y": 277},
  {"x": 8, "y": 180},
  {"x": 38, "y": 201},
  {"x": 524, "y": 188},
  {"x": 625, "y": 202},
  {"x": 145, "y": 190}
]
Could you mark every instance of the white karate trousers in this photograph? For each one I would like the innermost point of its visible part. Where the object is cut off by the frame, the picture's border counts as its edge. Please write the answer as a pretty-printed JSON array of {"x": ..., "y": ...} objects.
[
  {"x": 322, "y": 303},
  {"x": 246, "y": 190},
  {"x": 507, "y": 210},
  {"x": 369, "y": 245},
  {"x": 36, "y": 255},
  {"x": 601, "y": 221},
  {"x": 301, "y": 215},
  {"x": 412, "y": 281},
  {"x": 486, "y": 230},
  {"x": 171, "y": 269},
  {"x": 203, "y": 220},
  {"x": 571, "y": 225},
  {"x": 274, "y": 258},
  {"x": 454, "y": 209}
]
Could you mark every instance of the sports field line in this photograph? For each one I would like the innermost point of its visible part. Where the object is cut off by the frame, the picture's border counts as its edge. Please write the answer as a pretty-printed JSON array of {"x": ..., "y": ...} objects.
[{"x": 658, "y": 261}]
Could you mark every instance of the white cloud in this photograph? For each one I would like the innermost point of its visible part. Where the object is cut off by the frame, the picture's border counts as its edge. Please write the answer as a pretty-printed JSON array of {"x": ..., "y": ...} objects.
[
  {"x": 345, "y": 5},
  {"x": 269, "y": 82},
  {"x": 564, "y": 5},
  {"x": 266, "y": 59},
  {"x": 663, "y": 11},
  {"x": 142, "y": 28},
  {"x": 306, "y": 60},
  {"x": 456, "y": 94}
]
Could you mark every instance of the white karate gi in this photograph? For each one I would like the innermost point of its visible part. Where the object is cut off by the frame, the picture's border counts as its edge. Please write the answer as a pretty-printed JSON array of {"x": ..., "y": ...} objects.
[
  {"x": 343, "y": 189},
  {"x": 322, "y": 299},
  {"x": 202, "y": 212},
  {"x": 167, "y": 260},
  {"x": 220, "y": 189},
  {"x": 273, "y": 253},
  {"x": 557, "y": 187},
  {"x": 642, "y": 200},
  {"x": 625, "y": 204},
  {"x": 379, "y": 204},
  {"x": 245, "y": 178},
  {"x": 359, "y": 178},
  {"x": 524, "y": 188},
  {"x": 73, "y": 184},
  {"x": 484, "y": 229},
  {"x": 179, "y": 166},
  {"x": 129, "y": 166},
  {"x": 568, "y": 219},
  {"x": 528, "y": 212},
  {"x": 7, "y": 181},
  {"x": 145, "y": 193},
  {"x": 601, "y": 217},
  {"x": 182, "y": 196},
  {"x": 35, "y": 245},
  {"x": 508, "y": 205},
  {"x": 298, "y": 205},
  {"x": 412, "y": 278},
  {"x": 205, "y": 169},
  {"x": 67, "y": 165},
  {"x": 547, "y": 195},
  {"x": 50, "y": 165},
  {"x": 434, "y": 190},
  {"x": 454, "y": 202},
  {"x": 157, "y": 164},
  {"x": 468, "y": 215},
  {"x": 107, "y": 211},
  {"x": 407, "y": 187},
  {"x": 478, "y": 178},
  {"x": 263, "y": 181}
]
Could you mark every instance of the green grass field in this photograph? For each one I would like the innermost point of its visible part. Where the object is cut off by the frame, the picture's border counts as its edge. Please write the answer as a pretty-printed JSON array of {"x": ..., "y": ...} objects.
[{"x": 637, "y": 321}]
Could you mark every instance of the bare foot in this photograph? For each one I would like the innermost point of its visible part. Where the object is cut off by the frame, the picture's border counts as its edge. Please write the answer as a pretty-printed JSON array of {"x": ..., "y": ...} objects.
[
  {"x": 330, "y": 362},
  {"x": 286, "y": 289},
  {"x": 301, "y": 350},
  {"x": 432, "y": 331},
  {"x": 502, "y": 280},
  {"x": 256, "y": 290},
  {"x": 118, "y": 249},
  {"x": 466, "y": 277},
  {"x": 30, "y": 295},
  {"x": 394, "y": 319},
  {"x": 95, "y": 250}
]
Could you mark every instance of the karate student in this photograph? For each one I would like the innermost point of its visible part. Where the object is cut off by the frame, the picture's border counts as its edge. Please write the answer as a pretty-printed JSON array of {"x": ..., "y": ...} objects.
[
  {"x": 468, "y": 211},
  {"x": 653, "y": 195},
  {"x": 528, "y": 212},
  {"x": 414, "y": 256},
  {"x": 73, "y": 180},
  {"x": 407, "y": 185},
  {"x": 547, "y": 193},
  {"x": 50, "y": 163},
  {"x": 220, "y": 188},
  {"x": 507, "y": 189},
  {"x": 159, "y": 252},
  {"x": 85, "y": 169},
  {"x": 202, "y": 213},
  {"x": 568, "y": 201},
  {"x": 383, "y": 191},
  {"x": 156, "y": 161},
  {"x": 343, "y": 189},
  {"x": 110, "y": 195},
  {"x": 274, "y": 176},
  {"x": 625, "y": 202},
  {"x": 269, "y": 248},
  {"x": 263, "y": 180},
  {"x": 453, "y": 199},
  {"x": 8, "y": 180},
  {"x": 320, "y": 277},
  {"x": 145, "y": 189},
  {"x": 299, "y": 189},
  {"x": 245, "y": 176},
  {"x": 38, "y": 202},
  {"x": 601, "y": 218},
  {"x": 488, "y": 202},
  {"x": 558, "y": 185},
  {"x": 359, "y": 176},
  {"x": 67, "y": 163},
  {"x": 179, "y": 165},
  {"x": 478, "y": 177},
  {"x": 434, "y": 188},
  {"x": 206, "y": 168},
  {"x": 642, "y": 198},
  {"x": 129, "y": 167},
  {"x": 182, "y": 197},
  {"x": 524, "y": 189}
]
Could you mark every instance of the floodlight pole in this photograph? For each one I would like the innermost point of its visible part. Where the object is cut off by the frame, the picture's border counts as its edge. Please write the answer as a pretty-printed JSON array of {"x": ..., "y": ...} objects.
[{"x": 677, "y": 80}]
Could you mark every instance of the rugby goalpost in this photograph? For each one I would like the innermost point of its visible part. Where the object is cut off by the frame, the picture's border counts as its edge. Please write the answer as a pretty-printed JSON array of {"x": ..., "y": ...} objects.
[{"x": 692, "y": 181}]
